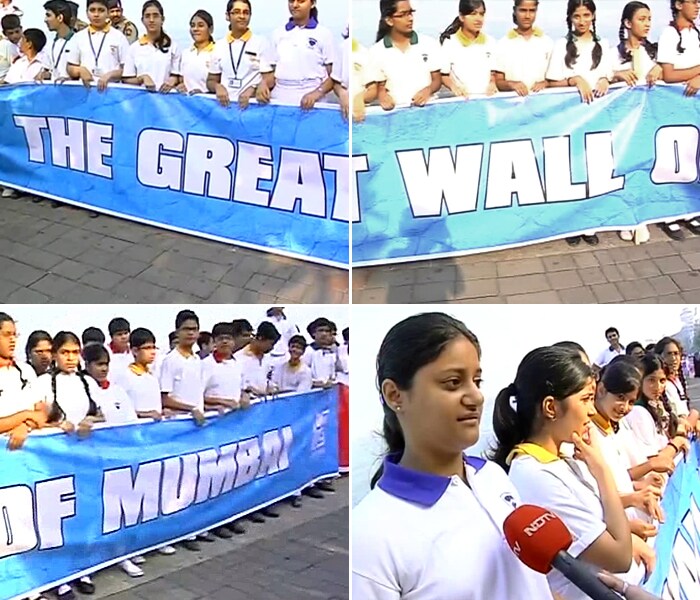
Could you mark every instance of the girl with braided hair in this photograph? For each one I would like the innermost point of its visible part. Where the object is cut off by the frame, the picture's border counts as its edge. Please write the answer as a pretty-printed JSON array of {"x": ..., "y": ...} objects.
[
  {"x": 679, "y": 46},
  {"x": 635, "y": 60}
]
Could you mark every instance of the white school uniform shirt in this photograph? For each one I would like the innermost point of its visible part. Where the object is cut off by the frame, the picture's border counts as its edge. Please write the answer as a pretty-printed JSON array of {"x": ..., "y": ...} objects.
[
  {"x": 299, "y": 57},
  {"x": 343, "y": 375},
  {"x": 470, "y": 62},
  {"x": 524, "y": 59},
  {"x": 341, "y": 68},
  {"x": 100, "y": 52},
  {"x": 115, "y": 404},
  {"x": 583, "y": 67},
  {"x": 675, "y": 394},
  {"x": 57, "y": 55},
  {"x": 286, "y": 329},
  {"x": 646, "y": 64},
  {"x": 9, "y": 53},
  {"x": 70, "y": 394},
  {"x": 222, "y": 379},
  {"x": 195, "y": 67},
  {"x": 119, "y": 363},
  {"x": 668, "y": 48},
  {"x": 641, "y": 423},
  {"x": 418, "y": 536},
  {"x": 255, "y": 370},
  {"x": 608, "y": 354},
  {"x": 238, "y": 62},
  {"x": 362, "y": 72},
  {"x": 181, "y": 377},
  {"x": 292, "y": 379},
  {"x": 143, "y": 390},
  {"x": 9, "y": 10},
  {"x": 406, "y": 73},
  {"x": 322, "y": 361},
  {"x": 14, "y": 397},
  {"x": 24, "y": 70},
  {"x": 144, "y": 58}
]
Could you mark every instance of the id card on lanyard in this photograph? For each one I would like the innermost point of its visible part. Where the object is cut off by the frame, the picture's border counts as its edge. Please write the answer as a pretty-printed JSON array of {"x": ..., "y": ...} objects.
[
  {"x": 57, "y": 61},
  {"x": 97, "y": 71},
  {"x": 235, "y": 82}
]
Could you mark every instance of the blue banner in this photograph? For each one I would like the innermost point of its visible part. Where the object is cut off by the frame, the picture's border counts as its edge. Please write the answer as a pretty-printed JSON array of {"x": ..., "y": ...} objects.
[
  {"x": 269, "y": 177},
  {"x": 69, "y": 506},
  {"x": 457, "y": 177},
  {"x": 677, "y": 573}
]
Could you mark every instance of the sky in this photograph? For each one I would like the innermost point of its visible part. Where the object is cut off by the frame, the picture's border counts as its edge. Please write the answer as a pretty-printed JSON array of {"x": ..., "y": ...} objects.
[
  {"x": 267, "y": 15},
  {"x": 433, "y": 16},
  {"x": 506, "y": 333}
]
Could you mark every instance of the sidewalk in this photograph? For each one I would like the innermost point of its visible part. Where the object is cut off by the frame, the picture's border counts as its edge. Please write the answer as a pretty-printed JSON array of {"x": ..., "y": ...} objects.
[
  {"x": 55, "y": 255},
  {"x": 660, "y": 271},
  {"x": 303, "y": 555}
]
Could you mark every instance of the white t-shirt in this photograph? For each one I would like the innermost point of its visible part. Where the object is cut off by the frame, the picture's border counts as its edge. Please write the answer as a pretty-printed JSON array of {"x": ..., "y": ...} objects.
[
  {"x": 675, "y": 394},
  {"x": 9, "y": 53},
  {"x": 641, "y": 423},
  {"x": 222, "y": 379},
  {"x": 181, "y": 377},
  {"x": 143, "y": 389},
  {"x": 116, "y": 405},
  {"x": 646, "y": 63},
  {"x": 341, "y": 68},
  {"x": 195, "y": 67},
  {"x": 57, "y": 55},
  {"x": 70, "y": 394},
  {"x": 607, "y": 355},
  {"x": 524, "y": 59},
  {"x": 255, "y": 371},
  {"x": 238, "y": 62},
  {"x": 299, "y": 57},
  {"x": 292, "y": 379},
  {"x": 417, "y": 536},
  {"x": 668, "y": 48},
  {"x": 13, "y": 397},
  {"x": 286, "y": 330},
  {"x": 406, "y": 73},
  {"x": 323, "y": 362},
  {"x": 470, "y": 63},
  {"x": 119, "y": 363},
  {"x": 144, "y": 58},
  {"x": 343, "y": 374},
  {"x": 99, "y": 51},
  {"x": 24, "y": 70},
  {"x": 583, "y": 67}
]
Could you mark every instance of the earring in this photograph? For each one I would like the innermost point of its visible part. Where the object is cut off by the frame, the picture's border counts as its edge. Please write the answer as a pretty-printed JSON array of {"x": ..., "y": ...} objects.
[{"x": 398, "y": 408}]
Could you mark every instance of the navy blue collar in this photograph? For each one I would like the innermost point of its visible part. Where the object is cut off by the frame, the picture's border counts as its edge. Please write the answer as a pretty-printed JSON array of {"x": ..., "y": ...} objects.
[
  {"x": 312, "y": 24},
  {"x": 413, "y": 486}
]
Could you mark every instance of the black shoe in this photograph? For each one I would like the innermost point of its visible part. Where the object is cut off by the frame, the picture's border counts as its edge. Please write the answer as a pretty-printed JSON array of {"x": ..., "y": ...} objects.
[
  {"x": 55, "y": 204},
  {"x": 591, "y": 240},
  {"x": 573, "y": 241},
  {"x": 674, "y": 234},
  {"x": 68, "y": 595},
  {"x": 85, "y": 587},
  {"x": 257, "y": 517},
  {"x": 313, "y": 492},
  {"x": 270, "y": 512},
  {"x": 192, "y": 545},
  {"x": 206, "y": 537},
  {"x": 692, "y": 225},
  {"x": 223, "y": 532},
  {"x": 325, "y": 486},
  {"x": 296, "y": 502},
  {"x": 236, "y": 527}
]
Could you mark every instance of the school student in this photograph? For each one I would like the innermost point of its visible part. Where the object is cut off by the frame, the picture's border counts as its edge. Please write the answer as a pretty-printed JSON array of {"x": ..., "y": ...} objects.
[
  {"x": 9, "y": 44},
  {"x": 120, "y": 354},
  {"x": 296, "y": 66},
  {"x": 7, "y": 8},
  {"x": 243, "y": 333},
  {"x": 29, "y": 66},
  {"x": 92, "y": 335},
  {"x": 363, "y": 85},
  {"x": 406, "y": 64},
  {"x": 469, "y": 54},
  {"x": 154, "y": 60},
  {"x": 550, "y": 404},
  {"x": 340, "y": 74},
  {"x": 429, "y": 375},
  {"x": 286, "y": 329},
  {"x": 38, "y": 351},
  {"x": 671, "y": 353},
  {"x": 234, "y": 73},
  {"x": 522, "y": 56},
  {"x": 138, "y": 381},
  {"x": 98, "y": 53},
  {"x": 58, "y": 16},
  {"x": 196, "y": 61},
  {"x": 322, "y": 354},
  {"x": 293, "y": 375},
  {"x": 255, "y": 361},
  {"x": 120, "y": 22},
  {"x": 679, "y": 47}
]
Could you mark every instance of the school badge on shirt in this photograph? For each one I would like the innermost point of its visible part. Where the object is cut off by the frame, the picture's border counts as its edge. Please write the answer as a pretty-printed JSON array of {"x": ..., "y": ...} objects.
[
  {"x": 425, "y": 58},
  {"x": 312, "y": 42},
  {"x": 508, "y": 498}
]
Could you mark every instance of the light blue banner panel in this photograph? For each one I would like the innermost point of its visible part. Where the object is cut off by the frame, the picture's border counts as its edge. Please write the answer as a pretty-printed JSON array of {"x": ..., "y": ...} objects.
[
  {"x": 677, "y": 572},
  {"x": 270, "y": 177},
  {"x": 463, "y": 177},
  {"x": 70, "y": 505}
]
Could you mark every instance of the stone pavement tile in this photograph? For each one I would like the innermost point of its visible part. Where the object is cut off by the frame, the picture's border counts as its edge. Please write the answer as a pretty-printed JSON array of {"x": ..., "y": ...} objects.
[
  {"x": 524, "y": 266},
  {"x": 663, "y": 285},
  {"x": 692, "y": 297},
  {"x": 181, "y": 282},
  {"x": 475, "y": 289},
  {"x": 523, "y": 284},
  {"x": 34, "y": 257},
  {"x": 645, "y": 269},
  {"x": 113, "y": 262},
  {"x": 141, "y": 252},
  {"x": 579, "y": 295},
  {"x": 476, "y": 270},
  {"x": 481, "y": 300},
  {"x": 237, "y": 276},
  {"x": 83, "y": 237},
  {"x": 225, "y": 294},
  {"x": 606, "y": 293},
  {"x": 612, "y": 273},
  {"x": 190, "y": 266},
  {"x": 379, "y": 295},
  {"x": 138, "y": 290},
  {"x": 604, "y": 257},
  {"x": 71, "y": 269},
  {"x": 670, "y": 299},
  {"x": 671, "y": 264},
  {"x": 388, "y": 277},
  {"x": 294, "y": 292},
  {"x": 18, "y": 273},
  {"x": 693, "y": 259},
  {"x": 592, "y": 275},
  {"x": 561, "y": 280},
  {"x": 68, "y": 248},
  {"x": 633, "y": 291},
  {"x": 433, "y": 292},
  {"x": 22, "y": 295},
  {"x": 559, "y": 263},
  {"x": 102, "y": 279},
  {"x": 264, "y": 284},
  {"x": 687, "y": 281},
  {"x": 437, "y": 274},
  {"x": 586, "y": 260},
  {"x": 546, "y": 297}
]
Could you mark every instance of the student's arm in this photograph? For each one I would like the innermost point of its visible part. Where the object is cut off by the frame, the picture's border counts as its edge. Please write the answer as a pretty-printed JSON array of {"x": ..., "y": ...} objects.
[
  {"x": 505, "y": 85},
  {"x": 672, "y": 75},
  {"x": 422, "y": 96},
  {"x": 149, "y": 414},
  {"x": 268, "y": 62},
  {"x": 214, "y": 402},
  {"x": 310, "y": 99},
  {"x": 214, "y": 86},
  {"x": 306, "y": 384},
  {"x": 12, "y": 421}
]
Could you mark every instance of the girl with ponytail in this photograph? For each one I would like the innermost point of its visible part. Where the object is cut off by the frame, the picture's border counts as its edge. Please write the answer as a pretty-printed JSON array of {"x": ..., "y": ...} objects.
[
  {"x": 679, "y": 47},
  {"x": 431, "y": 527},
  {"x": 470, "y": 54},
  {"x": 550, "y": 404},
  {"x": 407, "y": 65},
  {"x": 154, "y": 59}
]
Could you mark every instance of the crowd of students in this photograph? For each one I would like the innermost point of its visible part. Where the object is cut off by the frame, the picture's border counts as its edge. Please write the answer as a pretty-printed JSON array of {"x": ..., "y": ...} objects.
[
  {"x": 405, "y": 67},
  {"x": 70, "y": 382},
  {"x": 595, "y": 443}
]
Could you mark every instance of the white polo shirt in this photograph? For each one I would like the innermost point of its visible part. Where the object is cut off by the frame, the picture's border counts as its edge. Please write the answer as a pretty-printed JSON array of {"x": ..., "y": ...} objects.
[
  {"x": 363, "y": 72},
  {"x": 57, "y": 56},
  {"x": 13, "y": 397},
  {"x": 608, "y": 354},
  {"x": 222, "y": 379},
  {"x": 70, "y": 394},
  {"x": 641, "y": 423},
  {"x": 115, "y": 404},
  {"x": 343, "y": 375},
  {"x": 292, "y": 379},
  {"x": 668, "y": 48},
  {"x": 238, "y": 62},
  {"x": 195, "y": 67},
  {"x": 99, "y": 51},
  {"x": 299, "y": 57},
  {"x": 675, "y": 394},
  {"x": 119, "y": 363},
  {"x": 341, "y": 68},
  {"x": 418, "y": 536},
  {"x": 143, "y": 389},
  {"x": 583, "y": 67},
  {"x": 322, "y": 361},
  {"x": 470, "y": 62},
  {"x": 255, "y": 370},
  {"x": 645, "y": 63},
  {"x": 24, "y": 70},
  {"x": 522, "y": 58},
  {"x": 9, "y": 53},
  {"x": 144, "y": 58},
  {"x": 181, "y": 377},
  {"x": 406, "y": 73}
]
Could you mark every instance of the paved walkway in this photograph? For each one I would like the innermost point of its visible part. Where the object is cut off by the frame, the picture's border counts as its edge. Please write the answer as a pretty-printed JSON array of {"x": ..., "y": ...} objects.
[
  {"x": 54, "y": 255},
  {"x": 303, "y": 555},
  {"x": 660, "y": 271}
]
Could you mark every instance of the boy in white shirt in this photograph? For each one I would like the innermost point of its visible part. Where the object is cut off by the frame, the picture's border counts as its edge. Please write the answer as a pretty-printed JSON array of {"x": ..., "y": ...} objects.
[
  {"x": 322, "y": 355},
  {"x": 293, "y": 375},
  {"x": 120, "y": 354},
  {"x": 27, "y": 68},
  {"x": 58, "y": 19},
  {"x": 286, "y": 329},
  {"x": 9, "y": 44},
  {"x": 139, "y": 382},
  {"x": 255, "y": 362}
]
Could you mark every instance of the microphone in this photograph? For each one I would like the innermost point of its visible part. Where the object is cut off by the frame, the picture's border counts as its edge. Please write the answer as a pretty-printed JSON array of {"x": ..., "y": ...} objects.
[{"x": 540, "y": 539}]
